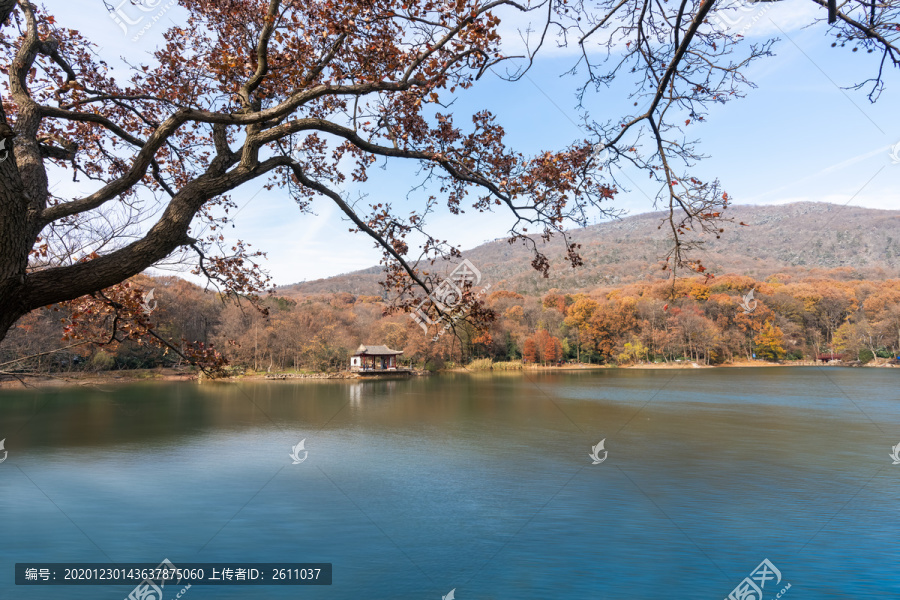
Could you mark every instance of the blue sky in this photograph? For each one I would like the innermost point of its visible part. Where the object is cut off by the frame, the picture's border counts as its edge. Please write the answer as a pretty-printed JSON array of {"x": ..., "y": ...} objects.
[{"x": 797, "y": 137}]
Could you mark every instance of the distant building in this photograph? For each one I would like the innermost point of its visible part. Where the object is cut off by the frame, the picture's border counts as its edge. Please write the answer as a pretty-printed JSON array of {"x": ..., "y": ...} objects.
[{"x": 374, "y": 358}]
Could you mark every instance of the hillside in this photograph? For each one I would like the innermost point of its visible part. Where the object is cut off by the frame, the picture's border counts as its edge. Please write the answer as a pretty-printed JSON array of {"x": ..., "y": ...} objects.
[{"x": 794, "y": 238}]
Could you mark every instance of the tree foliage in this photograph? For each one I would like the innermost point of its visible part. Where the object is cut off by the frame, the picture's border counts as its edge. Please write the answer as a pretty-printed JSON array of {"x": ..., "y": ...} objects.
[
  {"x": 622, "y": 325},
  {"x": 770, "y": 342}
]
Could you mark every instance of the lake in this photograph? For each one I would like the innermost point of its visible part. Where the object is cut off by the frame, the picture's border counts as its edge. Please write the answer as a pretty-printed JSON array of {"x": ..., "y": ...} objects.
[{"x": 481, "y": 483}]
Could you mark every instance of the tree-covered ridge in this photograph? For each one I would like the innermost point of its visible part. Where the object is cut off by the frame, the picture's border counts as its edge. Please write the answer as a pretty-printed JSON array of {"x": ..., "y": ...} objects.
[
  {"x": 794, "y": 238},
  {"x": 707, "y": 320}
]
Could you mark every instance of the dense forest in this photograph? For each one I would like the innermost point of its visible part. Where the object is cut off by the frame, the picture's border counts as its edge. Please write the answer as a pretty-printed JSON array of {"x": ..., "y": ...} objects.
[{"x": 702, "y": 319}]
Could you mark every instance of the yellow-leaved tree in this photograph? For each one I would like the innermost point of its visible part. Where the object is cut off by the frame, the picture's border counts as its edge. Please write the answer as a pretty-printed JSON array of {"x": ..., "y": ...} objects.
[{"x": 770, "y": 342}]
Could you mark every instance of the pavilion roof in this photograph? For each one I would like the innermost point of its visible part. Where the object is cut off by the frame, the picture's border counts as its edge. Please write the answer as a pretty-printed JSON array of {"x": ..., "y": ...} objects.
[{"x": 375, "y": 351}]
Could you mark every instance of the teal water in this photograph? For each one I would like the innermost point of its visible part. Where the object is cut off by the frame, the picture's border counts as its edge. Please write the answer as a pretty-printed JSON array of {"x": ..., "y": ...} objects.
[{"x": 478, "y": 483}]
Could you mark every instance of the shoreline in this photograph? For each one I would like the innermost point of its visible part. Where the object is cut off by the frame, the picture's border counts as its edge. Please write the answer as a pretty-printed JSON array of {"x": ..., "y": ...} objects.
[{"x": 170, "y": 374}]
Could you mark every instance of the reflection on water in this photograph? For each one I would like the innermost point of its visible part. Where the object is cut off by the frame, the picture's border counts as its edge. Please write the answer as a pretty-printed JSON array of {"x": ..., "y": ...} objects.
[
  {"x": 356, "y": 394},
  {"x": 482, "y": 483}
]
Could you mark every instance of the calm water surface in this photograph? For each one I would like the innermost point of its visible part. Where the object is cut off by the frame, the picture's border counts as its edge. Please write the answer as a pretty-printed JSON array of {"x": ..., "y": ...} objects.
[{"x": 480, "y": 483}]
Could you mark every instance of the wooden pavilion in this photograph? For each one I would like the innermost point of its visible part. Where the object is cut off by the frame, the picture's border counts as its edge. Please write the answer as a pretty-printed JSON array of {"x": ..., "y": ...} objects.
[{"x": 374, "y": 359}]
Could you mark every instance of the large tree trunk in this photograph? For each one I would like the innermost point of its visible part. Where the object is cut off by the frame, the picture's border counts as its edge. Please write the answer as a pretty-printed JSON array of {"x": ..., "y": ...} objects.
[
  {"x": 9, "y": 311},
  {"x": 14, "y": 244}
]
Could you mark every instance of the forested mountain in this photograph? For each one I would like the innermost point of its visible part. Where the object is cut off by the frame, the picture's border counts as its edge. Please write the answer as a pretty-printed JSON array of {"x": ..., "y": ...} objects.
[{"x": 793, "y": 238}]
